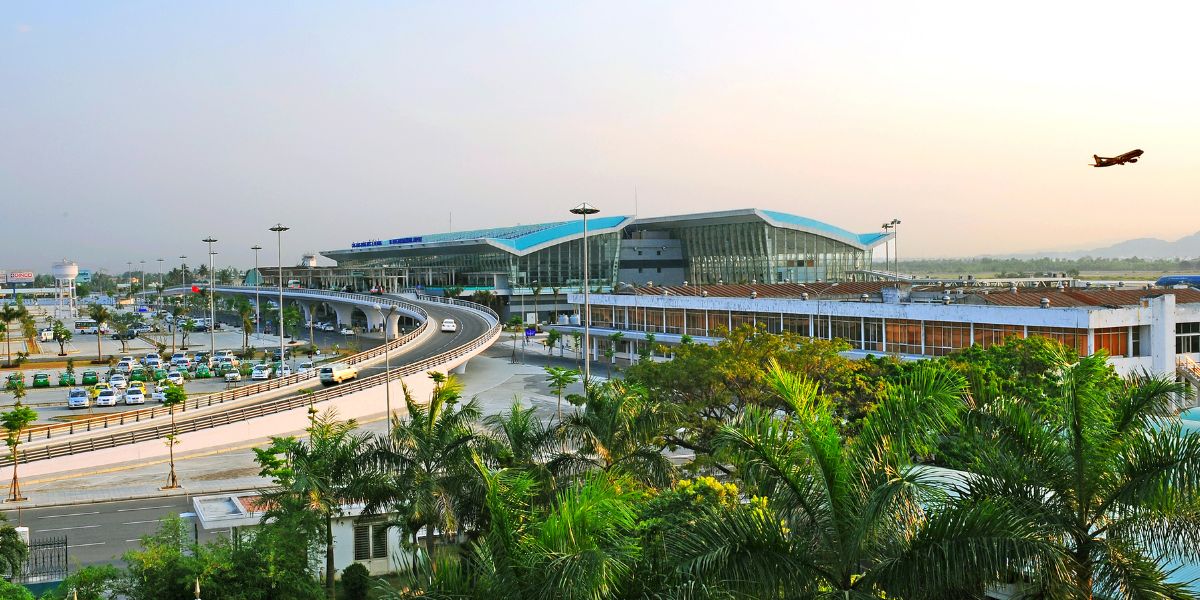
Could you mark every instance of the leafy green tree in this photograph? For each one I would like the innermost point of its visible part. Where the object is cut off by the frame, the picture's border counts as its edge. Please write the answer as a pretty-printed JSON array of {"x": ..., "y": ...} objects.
[
  {"x": 356, "y": 582},
  {"x": 618, "y": 431},
  {"x": 189, "y": 325},
  {"x": 62, "y": 335},
  {"x": 13, "y": 550},
  {"x": 317, "y": 476},
  {"x": 8, "y": 314},
  {"x": 15, "y": 421},
  {"x": 29, "y": 327},
  {"x": 853, "y": 518},
  {"x": 101, "y": 315},
  {"x": 1102, "y": 466},
  {"x": 577, "y": 340},
  {"x": 12, "y": 591},
  {"x": 174, "y": 396},
  {"x": 519, "y": 439},
  {"x": 560, "y": 379},
  {"x": 123, "y": 323},
  {"x": 452, "y": 291},
  {"x": 424, "y": 461},
  {"x": 93, "y": 582},
  {"x": 292, "y": 318},
  {"x": 245, "y": 312},
  {"x": 553, "y": 337},
  {"x": 610, "y": 353}
]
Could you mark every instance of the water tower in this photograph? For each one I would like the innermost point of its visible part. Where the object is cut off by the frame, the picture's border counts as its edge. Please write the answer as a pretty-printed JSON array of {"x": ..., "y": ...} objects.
[{"x": 65, "y": 272}]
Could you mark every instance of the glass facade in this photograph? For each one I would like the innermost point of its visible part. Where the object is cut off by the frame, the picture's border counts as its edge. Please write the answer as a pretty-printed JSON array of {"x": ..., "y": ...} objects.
[
  {"x": 484, "y": 266},
  {"x": 758, "y": 252}
]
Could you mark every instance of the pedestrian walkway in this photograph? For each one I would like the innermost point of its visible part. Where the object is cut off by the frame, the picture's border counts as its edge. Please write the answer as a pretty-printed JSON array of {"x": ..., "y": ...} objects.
[{"x": 490, "y": 377}]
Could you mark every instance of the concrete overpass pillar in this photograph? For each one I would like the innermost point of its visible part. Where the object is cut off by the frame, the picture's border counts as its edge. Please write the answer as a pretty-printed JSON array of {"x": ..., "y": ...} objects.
[
  {"x": 374, "y": 319},
  {"x": 393, "y": 325},
  {"x": 460, "y": 369},
  {"x": 343, "y": 312},
  {"x": 307, "y": 309}
]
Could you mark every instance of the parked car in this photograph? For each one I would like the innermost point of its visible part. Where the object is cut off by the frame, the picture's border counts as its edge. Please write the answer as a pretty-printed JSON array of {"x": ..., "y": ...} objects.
[
  {"x": 175, "y": 378},
  {"x": 140, "y": 329},
  {"x": 46, "y": 335},
  {"x": 154, "y": 363},
  {"x": 41, "y": 380},
  {"x": 138, "y": 385},
  {"x": 118, "y": 381},
  {"x": 106, "y": 398},
  {"x": 202, "y": 371},
  {"x": 90, "y": 378},
  {"x": 260, "y": 372},
  {"x": 276, "y": 353},
  {"x": 326, "y": 326},
  {"x": 346, "y": 331},
  {"x": 65, "y": 379},
  {"x": 123, "y": 367},
  {"x": 135, "y": 396},
  {"x": 138, "y": 374},
  {"x": 13, "y": 380},
  {"x": 305, "y": 367},
  {"x": 449, "y": 326},
  {"x": 78, "y": 398},
  {"x": 233, "y": 375},
  {"x": 283, "y": 370},
  {"x": 95, "y": 390},
  {"x": 159, "y": 374},
  {"x": 127, "y": 335},
  {"x": 159, "y": 394}
]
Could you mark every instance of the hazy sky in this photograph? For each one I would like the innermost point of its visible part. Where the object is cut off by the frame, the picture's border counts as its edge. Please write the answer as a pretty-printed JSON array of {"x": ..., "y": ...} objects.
[{"x": 131, "y": 130}]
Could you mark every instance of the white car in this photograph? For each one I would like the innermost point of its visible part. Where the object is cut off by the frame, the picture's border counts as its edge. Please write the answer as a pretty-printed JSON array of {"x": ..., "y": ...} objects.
[
  {"x": 78, "y": 398},
  {"x": 175, "y": 378},
  {"x": 304, "y": 367},
  {"x": 449, "y": 326},
  {"x": 107, "y": 398},
  {"x": 128, "y": 358},
  {"x": 233, "y": 375},
  {"x": 158, "y": 395},
  {"x": 118, "y": 381},
  {"x": 346, "y": 331},
  {"x": 154, "y": 363},
  {"x": 124, "y": 367},
  {"x": 135, "y": 396},
  {"x": 326, "y": 326},
  {"x": 261, "y": 372},
  {"x": 147, "y": 358}
]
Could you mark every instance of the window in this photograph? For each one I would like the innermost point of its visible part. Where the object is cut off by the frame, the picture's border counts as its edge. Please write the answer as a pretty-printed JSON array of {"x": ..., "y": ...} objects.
[
  {"x": 1113, "y": 340},
  {"x": 988, "y": 335},
  {"x": 1071, "y": 338},
  {"x": 944, "y": 337},
  {"x": 1187, "y": 338},
  {"x": 370, "y": 540},
  {"x": 903, "y": 336}
]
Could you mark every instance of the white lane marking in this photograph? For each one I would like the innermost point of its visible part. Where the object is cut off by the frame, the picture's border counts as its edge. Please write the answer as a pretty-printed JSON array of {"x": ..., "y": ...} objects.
[
  {"x": 69, "y": 528},
  {"x": 140, "y": 522},
  {"x": 82, "y": 545},
  {"x": 137, "y": 540},
  {"x": 144, "y": 508},
  {"x": 70, "y": 515}
]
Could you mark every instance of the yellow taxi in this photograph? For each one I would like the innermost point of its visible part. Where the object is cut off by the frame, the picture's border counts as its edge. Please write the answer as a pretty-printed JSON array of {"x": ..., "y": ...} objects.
[
  {"x": 95, "y": 389},
  {"x": 141, "y": 385}
]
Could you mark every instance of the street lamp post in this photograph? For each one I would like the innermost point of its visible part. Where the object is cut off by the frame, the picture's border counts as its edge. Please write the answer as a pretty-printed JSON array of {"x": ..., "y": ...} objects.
[
  {"x": 257, "y": 298},
  {"x": 129, "y": 276},
  {"x": 895, "y": 223},
  {"x": 387, "y": 365},
  {"x": 887, "y": 261},
  {"x": 212, "y": 305},
  {"x": 279, "y": 229},
  {"x": 183, "y": 267},
  {"x": 160, "y": 282},
  {"x": 142, "y": 279},
  {"x": 586, "y": 209}
]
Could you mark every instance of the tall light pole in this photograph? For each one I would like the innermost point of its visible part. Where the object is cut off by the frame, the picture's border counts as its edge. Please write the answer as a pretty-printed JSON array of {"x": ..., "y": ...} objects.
[
  {"x": 183, "y": 267},
  {"x": 160, "y": 282},
  {"x": 887, "y": 261},
  {"x": 257, "y": 298},
  {"x": 279, "y": 229},
  {"x": 142, "y": 279},
  {"x": 129, "y": 276},
  {"x": 896, "y": 241},
  {"x": 387, "y": 365},
  {"x": 212, "y": 305},
  {"x": 586, "y": 209}
]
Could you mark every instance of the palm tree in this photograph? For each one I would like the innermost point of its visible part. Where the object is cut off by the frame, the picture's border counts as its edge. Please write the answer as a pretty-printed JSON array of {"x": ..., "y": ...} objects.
[
  {"x": 853, "y": 518},
  {"x": 8, "y": 314},
  {"x": 13, "y": 550},
  {"x": 554, "y": 291},
  {"x": 100, "y": 315},
  {"x": 1101, "y": 465},
  {"x": 614, "y": 341},
  {"x": 317, "y": 476},
  {"x": 553, "y": 337},
  {"x": 519, "y": 438},
  {"x": 559, "y": 379},
  {"x": 178, "y": 309},
  {"x": 245, "y": 312},
  {"x": 14, "y": 422},
  {"x": 423, "y": 463},
  {"x": 619, "y": 430}
]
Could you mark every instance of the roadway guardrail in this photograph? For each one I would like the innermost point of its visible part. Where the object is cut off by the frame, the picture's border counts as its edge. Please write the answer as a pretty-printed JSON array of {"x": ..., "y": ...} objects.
[{"x": 236, "y": 414}]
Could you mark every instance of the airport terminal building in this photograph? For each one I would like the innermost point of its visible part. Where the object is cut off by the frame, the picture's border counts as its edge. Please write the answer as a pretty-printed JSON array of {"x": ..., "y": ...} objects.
[{"x": 540, "y": 263}]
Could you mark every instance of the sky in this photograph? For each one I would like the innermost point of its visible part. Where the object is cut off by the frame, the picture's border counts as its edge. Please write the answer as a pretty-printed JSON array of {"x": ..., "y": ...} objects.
[{"x": 130, "y": 131}]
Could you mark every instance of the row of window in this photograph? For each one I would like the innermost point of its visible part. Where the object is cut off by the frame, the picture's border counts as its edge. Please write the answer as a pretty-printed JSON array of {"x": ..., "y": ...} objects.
[{"x": 903, "y": 336}]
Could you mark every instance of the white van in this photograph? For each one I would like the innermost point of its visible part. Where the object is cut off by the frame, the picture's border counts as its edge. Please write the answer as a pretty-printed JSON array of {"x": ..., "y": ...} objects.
[{"x": 337, "y": 373}]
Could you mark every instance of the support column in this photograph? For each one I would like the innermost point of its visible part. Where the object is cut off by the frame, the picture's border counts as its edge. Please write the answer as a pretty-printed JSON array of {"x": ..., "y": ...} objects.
[
  {"x": 374, "y": 319},
  {"x": 393, "y": 325},
  {"x": 343, "y": 312},
  {"x": 306, "y": 308},
  {"x": 460, "y": 369},
  {"x": 1162, "y": 335}
]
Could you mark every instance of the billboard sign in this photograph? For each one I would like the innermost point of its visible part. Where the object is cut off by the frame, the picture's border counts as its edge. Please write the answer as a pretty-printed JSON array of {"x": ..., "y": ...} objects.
[
  {"x": 20, "y": 277},
  {"x": 85, "y": 276}
]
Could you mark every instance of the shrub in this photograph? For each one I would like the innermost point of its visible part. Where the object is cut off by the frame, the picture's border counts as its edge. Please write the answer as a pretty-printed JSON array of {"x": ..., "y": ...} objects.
[{"x": 355, "y": 582}]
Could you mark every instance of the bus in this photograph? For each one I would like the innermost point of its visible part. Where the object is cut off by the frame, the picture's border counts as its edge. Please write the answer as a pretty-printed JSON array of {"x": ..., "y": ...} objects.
[
  {"x": 89, "y": 327},
  {"x": 293, "y": 284}
]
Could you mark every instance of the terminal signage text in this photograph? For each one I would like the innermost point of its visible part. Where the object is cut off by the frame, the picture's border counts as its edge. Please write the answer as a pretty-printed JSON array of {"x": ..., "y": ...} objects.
[
  {"x": 392, "y": 242},
  {"x": 20, "y": 277}
]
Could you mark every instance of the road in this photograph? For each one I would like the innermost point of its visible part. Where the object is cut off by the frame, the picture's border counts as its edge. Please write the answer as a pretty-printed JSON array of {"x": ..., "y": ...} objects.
[{"x": 101, "y": 532}]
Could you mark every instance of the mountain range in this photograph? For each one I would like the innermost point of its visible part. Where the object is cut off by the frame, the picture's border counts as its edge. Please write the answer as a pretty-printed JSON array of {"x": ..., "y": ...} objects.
[{"x": 1184, "y": 247}]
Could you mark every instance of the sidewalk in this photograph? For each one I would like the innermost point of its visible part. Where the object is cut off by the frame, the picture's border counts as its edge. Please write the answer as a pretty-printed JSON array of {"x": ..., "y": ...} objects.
[{"x": 490, "y": 378}]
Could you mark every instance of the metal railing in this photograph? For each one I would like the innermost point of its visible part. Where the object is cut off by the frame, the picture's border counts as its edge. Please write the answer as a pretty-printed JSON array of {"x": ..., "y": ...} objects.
[
  {"x": 236, "y": 414},
  {"x": 1188, "y": 367},
  {"x": 42, "y": 432},
  {"x": 242, "y": 413}
]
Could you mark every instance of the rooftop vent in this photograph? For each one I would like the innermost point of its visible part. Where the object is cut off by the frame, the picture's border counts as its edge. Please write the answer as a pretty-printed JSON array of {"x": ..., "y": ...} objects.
[
  {"x": 946, "y": 299},
  {"x": 804, "y": 296},
  {"x": 865, "y": 297},
  {"x": 1045, "y": 302}
]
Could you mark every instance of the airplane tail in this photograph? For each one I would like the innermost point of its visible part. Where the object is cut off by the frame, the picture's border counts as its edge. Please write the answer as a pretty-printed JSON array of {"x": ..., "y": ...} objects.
[{"x": 1096, "y": 157}]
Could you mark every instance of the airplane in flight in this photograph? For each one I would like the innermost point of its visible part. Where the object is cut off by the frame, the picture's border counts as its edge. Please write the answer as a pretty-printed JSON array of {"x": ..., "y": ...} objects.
[{"x": 1131, "y": 156}]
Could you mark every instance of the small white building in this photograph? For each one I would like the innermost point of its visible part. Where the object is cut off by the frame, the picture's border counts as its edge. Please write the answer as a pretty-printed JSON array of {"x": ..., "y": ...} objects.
[{"x": 357, "y": 538}]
